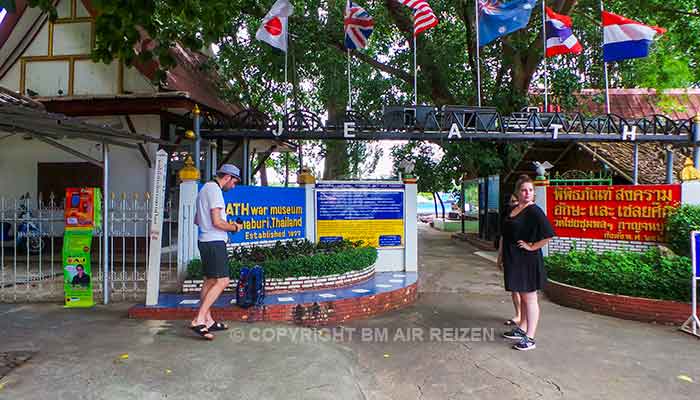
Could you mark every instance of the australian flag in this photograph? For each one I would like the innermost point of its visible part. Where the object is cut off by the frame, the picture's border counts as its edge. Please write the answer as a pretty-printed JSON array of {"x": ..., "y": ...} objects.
[
  {"x": 358, "y": 26},
  {"x": 498, "y": 18}
]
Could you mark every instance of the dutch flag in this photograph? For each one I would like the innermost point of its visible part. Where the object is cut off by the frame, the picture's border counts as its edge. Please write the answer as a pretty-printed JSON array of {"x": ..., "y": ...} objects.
[{"x": 624, "y": 39}]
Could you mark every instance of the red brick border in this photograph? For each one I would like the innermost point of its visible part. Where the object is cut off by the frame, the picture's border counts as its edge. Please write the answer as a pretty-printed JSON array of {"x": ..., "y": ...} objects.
[
  {"x": 625, "y": 307},
  {"x": 317, "y": 313}
]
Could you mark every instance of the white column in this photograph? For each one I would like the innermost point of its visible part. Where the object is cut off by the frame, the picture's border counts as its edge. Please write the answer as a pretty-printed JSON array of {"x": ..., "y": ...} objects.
[
  {"x": 690, "y": 192},
  {"x": 106, "y": 272},
  {"x": 187, "y": 230},
  {"x": 310, "y": 212},
  {"x": 156, "y": 229},
  {"x": 541, "y": 202},
  {"x": 411, "y": 227}
]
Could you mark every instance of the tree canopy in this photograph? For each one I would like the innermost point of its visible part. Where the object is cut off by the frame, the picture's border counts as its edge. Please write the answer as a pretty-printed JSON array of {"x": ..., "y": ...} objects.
[{"x": 382, "y": 73}]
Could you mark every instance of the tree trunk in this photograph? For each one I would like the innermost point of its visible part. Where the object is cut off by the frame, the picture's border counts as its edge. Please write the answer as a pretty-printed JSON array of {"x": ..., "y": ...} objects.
[
  {"x": 435, "y": 204},
  {"x": 263, "y": 176},
  {"x": 336, "y": 161},
  {"x": 442, "y": 205}
]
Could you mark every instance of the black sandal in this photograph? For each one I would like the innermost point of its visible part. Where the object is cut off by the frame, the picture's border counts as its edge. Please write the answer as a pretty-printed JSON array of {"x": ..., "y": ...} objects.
[
  {"x": 217, "y": 326},
  {"x": 202, "y": 331},
  {"x": 510, "y": 322}
]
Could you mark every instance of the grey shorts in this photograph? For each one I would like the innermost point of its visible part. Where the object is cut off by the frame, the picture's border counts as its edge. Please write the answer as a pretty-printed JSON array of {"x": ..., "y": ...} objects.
[{"x": 214, "y": 259}]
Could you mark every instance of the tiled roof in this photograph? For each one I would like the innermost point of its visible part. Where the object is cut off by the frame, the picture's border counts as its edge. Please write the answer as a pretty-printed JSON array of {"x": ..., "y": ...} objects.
[
  {"x": 635, "y": 103},
  {"x": 12, "y": 98},
  {"x": 652, "y": 159},
  {"x": 190, "y": 76}
]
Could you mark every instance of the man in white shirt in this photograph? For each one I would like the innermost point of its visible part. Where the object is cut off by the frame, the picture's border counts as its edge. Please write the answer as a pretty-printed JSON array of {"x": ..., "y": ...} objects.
[{"x": 213, "y": 235}]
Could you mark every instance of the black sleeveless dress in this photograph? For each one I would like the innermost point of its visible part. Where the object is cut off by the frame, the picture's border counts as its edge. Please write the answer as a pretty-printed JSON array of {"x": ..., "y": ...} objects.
[{"x": 523, "y": 270}]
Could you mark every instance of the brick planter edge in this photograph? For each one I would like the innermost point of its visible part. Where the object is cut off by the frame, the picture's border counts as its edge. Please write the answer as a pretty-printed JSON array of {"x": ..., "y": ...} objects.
[
  {"x": 665, "y": 312},
  {"x": 310, "y": 314}
]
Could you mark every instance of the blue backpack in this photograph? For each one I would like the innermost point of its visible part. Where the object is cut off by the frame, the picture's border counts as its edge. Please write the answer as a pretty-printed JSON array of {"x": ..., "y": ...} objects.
[{"x": 250, "y": 290}]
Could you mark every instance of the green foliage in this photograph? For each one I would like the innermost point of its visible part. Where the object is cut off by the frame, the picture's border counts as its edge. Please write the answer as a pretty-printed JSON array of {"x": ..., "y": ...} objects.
[
  {"x": 565, "y": 84},
  {"x": 426, "y": 157},
  {"x": 253, "y": 72},
  {"x": 440, "y": 168},
  {"x": 297, "y": 258},
  {"x": 679, "y": 224},
  {"x": 650, "y": 274}
]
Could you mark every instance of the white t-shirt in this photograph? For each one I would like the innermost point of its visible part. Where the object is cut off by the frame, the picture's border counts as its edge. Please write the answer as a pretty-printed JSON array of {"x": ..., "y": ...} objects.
[{"x": 208, "y": 198}]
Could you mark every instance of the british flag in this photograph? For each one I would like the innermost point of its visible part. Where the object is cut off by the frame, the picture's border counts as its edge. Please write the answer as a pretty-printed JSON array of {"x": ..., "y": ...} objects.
[{"x": 358, "y": 26}]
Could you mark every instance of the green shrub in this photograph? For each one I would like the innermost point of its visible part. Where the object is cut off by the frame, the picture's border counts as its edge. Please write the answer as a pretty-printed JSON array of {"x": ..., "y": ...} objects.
[
  {"x": 295, "y": 259},
  {"x": 679, "y": 224},
  {"x": 650, "y": 274}
]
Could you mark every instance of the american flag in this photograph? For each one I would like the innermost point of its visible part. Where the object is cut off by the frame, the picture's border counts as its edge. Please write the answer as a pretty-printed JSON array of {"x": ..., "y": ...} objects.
[
  {"x": 423, "y": 16},
  {"x": 358, "y": 26}
]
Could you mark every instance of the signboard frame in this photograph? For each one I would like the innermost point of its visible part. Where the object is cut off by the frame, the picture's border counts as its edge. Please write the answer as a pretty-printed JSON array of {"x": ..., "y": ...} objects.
[
  {"x": 692, "y": 324},
  {"x": 281, "y": 198},
  {"x": 617, "y": 212},
  {"x": 363, "y": 188}
]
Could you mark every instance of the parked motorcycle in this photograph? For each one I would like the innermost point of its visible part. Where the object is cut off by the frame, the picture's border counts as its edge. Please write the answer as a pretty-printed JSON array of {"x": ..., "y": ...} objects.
[{"x": 28, "y": 238}]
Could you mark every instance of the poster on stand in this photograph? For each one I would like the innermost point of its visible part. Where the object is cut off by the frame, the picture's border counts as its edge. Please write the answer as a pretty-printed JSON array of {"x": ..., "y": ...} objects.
[
  {"x": 77, "y": 271},
  {"x": 83, "y": 215}
]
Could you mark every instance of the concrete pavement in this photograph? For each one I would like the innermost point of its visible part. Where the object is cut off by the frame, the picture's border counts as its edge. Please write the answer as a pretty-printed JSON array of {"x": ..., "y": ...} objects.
[{"x": 455, "y": 352}]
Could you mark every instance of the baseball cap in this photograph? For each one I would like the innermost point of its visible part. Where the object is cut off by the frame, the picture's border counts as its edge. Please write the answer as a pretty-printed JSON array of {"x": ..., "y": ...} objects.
[{"x": 230, "y": 169}]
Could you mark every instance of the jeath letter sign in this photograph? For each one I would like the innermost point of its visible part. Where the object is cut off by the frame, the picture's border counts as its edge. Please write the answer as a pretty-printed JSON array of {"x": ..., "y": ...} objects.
[{"x": 612, "y": 212}]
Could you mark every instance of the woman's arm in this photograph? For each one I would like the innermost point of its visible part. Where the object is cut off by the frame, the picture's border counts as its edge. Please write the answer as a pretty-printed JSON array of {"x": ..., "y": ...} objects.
[
  {"x": 533, "y": 246},
  {"x": 499, "y": 261}
]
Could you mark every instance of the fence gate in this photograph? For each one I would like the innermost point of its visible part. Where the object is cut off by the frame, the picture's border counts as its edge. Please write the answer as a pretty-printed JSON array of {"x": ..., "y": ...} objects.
[{"x": 31, "y": 235}]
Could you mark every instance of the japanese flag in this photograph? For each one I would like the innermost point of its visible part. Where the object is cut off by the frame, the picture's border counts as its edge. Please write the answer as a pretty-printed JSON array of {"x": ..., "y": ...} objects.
[{"x": 274, "y": 26}]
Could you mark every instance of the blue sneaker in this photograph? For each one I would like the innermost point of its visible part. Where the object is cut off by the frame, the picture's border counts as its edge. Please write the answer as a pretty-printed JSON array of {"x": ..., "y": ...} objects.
[
  {"x": 515, "y": 334},
  {"x": 525, "y": 344}
]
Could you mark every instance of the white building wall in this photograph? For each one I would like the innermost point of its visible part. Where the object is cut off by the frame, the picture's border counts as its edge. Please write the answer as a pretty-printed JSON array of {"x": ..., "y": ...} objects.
[
  {"x": 40, "y": 44},
  {"x": 11, "y": 79},
  {"x": 128, "y": 170},
  {"x": 19, "y": 159}
]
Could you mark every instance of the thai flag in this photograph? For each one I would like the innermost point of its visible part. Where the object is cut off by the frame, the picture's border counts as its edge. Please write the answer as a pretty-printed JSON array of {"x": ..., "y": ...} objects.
[
  {"x": 358, "y": 26},
  {"x": 624, "y": 39},
  {"x": 560, "y": 38}
]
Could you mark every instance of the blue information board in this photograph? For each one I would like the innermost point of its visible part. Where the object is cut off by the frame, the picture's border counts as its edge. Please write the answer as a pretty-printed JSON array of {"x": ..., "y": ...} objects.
[
  {"x": 269, "y": 214},
  {"x": 360, "y": 186},
  {"x": 358, "y": 205}
]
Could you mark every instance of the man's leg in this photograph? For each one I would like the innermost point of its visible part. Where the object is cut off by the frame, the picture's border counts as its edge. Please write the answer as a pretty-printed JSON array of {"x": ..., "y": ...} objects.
[
  {"x": 213, "y": 294},
  {"x": 206, "y": 286}
]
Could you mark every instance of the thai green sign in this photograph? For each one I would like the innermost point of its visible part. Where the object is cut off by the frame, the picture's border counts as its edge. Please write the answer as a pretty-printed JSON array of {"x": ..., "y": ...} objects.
[{"x": 77, "y": 274}]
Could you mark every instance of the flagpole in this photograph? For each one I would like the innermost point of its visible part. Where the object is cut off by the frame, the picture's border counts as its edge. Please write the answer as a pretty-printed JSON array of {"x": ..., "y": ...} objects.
[
  {"x": 605, "y": 67},
  {"x": 349, "y": 84},
  {"x": 478, "y": 57},
  {"x": 415, "y": 70},
  {"x": 544, "y": 55},
  {"x": 347, "y": 8},
  {"x": 286, "y": 79}
]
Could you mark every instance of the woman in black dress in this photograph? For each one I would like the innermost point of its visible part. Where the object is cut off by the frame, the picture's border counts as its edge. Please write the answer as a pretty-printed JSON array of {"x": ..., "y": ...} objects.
[
  {"x": 515, "y": 297},
  {"x": 525, "y": 230}
]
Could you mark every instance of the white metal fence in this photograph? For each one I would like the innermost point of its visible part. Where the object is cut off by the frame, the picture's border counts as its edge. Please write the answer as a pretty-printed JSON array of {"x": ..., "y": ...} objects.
[{"x": 31, "y": 235}]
